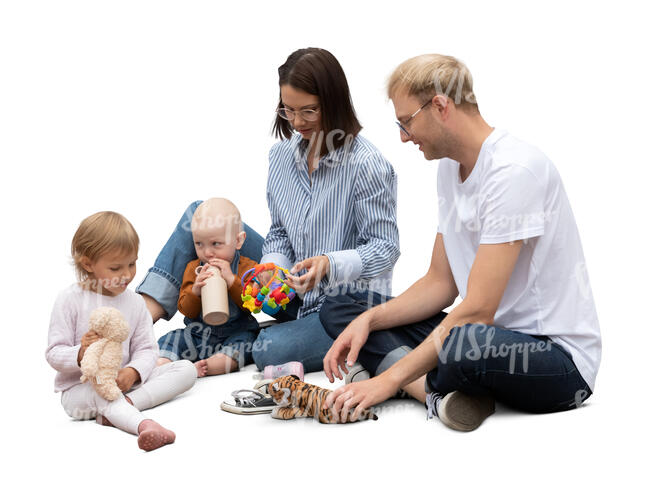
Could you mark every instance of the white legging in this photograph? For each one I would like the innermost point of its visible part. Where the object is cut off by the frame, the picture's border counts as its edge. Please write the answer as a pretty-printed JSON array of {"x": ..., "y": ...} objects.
[{"x": 81, "y": 402}]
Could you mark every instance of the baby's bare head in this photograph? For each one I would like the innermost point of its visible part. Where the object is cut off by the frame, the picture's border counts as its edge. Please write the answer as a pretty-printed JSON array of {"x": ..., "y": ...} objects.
[{"x": 217, "y": 229}]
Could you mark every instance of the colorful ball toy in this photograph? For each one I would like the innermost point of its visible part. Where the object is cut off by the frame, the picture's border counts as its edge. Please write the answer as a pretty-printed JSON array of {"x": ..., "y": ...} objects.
[{"x": 272, "y": 296}]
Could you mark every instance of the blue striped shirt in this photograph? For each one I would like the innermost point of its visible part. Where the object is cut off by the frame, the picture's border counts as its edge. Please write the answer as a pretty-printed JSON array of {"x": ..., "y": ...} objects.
[{"x": 346, "y": 210}]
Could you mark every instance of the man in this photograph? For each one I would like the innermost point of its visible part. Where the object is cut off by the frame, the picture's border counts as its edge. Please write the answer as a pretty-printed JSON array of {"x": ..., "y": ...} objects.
[{"x": 526, "y": 332}]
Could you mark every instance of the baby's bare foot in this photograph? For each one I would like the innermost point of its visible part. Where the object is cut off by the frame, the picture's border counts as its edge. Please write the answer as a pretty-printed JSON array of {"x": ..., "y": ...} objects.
[
  {"x": 153, "y": 436},
  {"x": 201, "y": 368},
  {"x": 220, "y": 363}
]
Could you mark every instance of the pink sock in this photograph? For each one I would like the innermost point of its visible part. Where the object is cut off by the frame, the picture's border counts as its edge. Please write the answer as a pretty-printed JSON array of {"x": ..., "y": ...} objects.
[{"x": 152, "y": 435}]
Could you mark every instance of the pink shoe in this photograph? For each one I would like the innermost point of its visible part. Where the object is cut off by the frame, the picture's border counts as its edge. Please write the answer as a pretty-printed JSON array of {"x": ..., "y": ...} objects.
[{"x": 271, "y": 372}]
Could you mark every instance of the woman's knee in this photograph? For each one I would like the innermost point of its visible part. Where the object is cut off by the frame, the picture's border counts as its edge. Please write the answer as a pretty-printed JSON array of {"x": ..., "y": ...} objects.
[{"x": 261, "y": 350}]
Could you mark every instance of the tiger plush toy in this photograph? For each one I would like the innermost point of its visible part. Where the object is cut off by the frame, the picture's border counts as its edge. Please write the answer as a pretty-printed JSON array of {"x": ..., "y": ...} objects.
[{"x": 297, "y": 399}]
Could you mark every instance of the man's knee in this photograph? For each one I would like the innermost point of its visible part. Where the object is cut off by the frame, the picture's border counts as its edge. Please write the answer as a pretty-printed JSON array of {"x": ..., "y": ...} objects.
[
  {"x": 460, "y": 358},
  {"x": 334, "y": 316}
]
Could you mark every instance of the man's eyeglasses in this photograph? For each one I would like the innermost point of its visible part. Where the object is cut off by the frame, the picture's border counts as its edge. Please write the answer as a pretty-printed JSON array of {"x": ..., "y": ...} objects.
[
  {"x": 309, "y": 115},
  {"x": 401, "y": 125}
]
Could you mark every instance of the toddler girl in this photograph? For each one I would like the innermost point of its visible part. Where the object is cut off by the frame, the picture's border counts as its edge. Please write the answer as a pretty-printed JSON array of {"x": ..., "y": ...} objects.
[{"x": 105, "y": 250}]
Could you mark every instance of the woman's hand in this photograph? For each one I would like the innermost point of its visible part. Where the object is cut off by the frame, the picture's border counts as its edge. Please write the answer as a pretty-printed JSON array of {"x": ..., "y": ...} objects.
[
  {"x": 347, "y": 402},
  {"x": 126, "y": 377},
  {"x": 317, "y": 268},
  {"x": 347, "y": 346},
  {"x": 88, "y": 339}
]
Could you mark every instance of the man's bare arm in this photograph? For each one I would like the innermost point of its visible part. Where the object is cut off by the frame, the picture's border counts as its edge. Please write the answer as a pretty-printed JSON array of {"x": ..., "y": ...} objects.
[
  {"x": 487, "y": 282},
  {"x": 429, "y": 295}
]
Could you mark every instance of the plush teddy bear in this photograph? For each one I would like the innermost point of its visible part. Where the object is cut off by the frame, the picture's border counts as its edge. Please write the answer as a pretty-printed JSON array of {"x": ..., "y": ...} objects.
[{"x": 103, "y": 359}]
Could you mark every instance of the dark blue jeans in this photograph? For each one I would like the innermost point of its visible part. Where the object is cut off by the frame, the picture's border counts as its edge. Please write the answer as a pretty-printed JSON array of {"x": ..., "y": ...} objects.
[{"x": 529, "y": 373}]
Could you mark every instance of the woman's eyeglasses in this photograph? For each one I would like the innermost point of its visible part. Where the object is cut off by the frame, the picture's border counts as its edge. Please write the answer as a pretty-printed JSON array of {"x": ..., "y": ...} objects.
[{"x": 309, "y": 115}]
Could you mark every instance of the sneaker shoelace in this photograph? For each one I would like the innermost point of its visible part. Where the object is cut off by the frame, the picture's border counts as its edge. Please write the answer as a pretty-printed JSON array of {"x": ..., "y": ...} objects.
[
  {"x": 433, "y": 399},
  {"x": 247, "y": 398}
]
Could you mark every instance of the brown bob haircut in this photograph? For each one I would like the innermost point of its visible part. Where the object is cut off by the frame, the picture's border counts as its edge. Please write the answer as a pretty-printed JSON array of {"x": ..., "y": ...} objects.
[{"x": 317, "y": 72}]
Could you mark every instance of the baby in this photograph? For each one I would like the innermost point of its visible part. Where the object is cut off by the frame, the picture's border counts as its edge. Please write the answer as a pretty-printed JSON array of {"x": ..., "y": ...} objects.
[
  {"x": 105, "y": 250},
  {"x": 218, "y": 235}
]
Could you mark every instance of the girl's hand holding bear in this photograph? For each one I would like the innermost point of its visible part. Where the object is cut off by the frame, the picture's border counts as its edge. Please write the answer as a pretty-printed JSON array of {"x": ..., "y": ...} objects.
[{"x": 88, "y": 339}]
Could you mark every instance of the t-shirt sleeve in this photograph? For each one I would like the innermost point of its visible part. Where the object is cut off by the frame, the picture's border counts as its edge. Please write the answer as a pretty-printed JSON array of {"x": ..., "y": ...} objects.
[{"x": 511, "y": 206}]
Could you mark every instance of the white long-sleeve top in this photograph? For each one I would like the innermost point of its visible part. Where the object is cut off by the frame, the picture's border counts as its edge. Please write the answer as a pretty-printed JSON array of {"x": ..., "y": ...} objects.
[{"x": 69, "y": 323}]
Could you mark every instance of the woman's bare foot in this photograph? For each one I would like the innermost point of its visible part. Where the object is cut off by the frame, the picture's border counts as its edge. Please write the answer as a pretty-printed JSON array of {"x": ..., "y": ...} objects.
[
  {"x": 219, "y": 364},
  {"x": 201, "y": 368},
  {"x": 152, "y": 435}
]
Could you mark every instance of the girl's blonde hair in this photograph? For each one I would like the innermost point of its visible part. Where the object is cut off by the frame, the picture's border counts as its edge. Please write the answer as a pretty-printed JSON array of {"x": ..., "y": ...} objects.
[
  {"x": 428, "y": 75},
  {"x": 99, "y": 234}
]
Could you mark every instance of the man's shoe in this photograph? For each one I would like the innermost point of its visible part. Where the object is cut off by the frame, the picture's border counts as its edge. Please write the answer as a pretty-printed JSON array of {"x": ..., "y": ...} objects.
[
  {"x": 357, "y": 373},
  {"x": 459, "y": 411}
]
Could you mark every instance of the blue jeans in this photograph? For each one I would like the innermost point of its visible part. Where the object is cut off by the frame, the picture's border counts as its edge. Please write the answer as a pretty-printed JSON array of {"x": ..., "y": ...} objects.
[
  {"x": 198, "y": 340},
  {"x": 302, "y": 340},
  {"x": 529, "y": 373}
]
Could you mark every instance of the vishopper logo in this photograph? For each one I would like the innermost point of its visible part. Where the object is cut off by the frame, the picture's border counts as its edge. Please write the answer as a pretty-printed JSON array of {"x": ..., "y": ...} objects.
[
  {"x": 204, "y": 348},
  {"x": 212, "y": 222},
  {"x": 479, "y": 213},
  {"x": 515, "y": 352},
  {"x": 94, "y": 291},
  {"x": 580, "y": 397},
  {"x": 335, "y": 156},
  {"x": 449, "y": 85}
]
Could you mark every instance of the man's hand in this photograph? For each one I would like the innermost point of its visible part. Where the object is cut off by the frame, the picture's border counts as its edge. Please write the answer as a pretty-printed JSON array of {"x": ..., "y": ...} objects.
[
  {"x": 347, "y": 346},
  {"x": 126, "y": 377},
  {"x": 88, "y": 339},
  {"x": 317, "y": 268},
  {"x": 347, "y": 402}
]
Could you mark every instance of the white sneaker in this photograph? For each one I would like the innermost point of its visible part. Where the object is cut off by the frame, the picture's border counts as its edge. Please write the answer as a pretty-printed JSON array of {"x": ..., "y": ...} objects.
[
  {"x": 459, "y": 411},
  {"x": 356, "y": 373}
]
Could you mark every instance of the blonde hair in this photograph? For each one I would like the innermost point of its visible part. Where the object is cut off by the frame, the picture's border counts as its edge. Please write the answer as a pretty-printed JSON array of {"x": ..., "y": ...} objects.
[
  {"x": 99, "y": 234},
  {"x": 428, "y": 75}
]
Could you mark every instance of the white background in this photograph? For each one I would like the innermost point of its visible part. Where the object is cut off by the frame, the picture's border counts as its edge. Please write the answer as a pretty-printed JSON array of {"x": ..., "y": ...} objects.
[{"x": 142, "y": 107}]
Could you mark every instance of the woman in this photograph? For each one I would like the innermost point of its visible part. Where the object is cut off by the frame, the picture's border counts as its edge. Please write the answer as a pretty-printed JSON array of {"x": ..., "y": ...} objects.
[{"x": 332, "y": 200}]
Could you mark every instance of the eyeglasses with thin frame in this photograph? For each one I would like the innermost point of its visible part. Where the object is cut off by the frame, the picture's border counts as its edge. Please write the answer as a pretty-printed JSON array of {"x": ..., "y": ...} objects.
[
  {"x": 309, "y": 115},
  {"x": 401, "y": 125}
]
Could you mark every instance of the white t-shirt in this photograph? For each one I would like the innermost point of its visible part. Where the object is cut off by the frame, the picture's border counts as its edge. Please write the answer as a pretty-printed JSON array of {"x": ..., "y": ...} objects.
[{"x": 515, "y": 193}]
